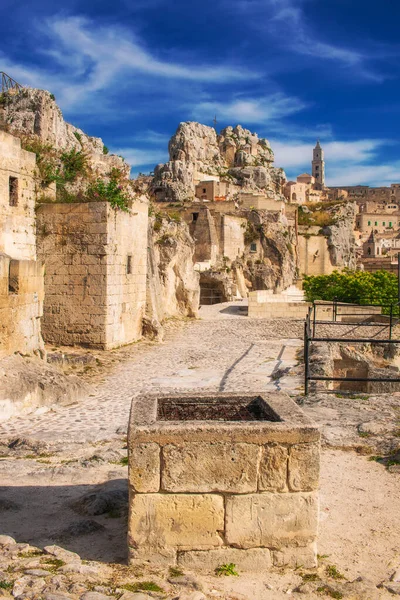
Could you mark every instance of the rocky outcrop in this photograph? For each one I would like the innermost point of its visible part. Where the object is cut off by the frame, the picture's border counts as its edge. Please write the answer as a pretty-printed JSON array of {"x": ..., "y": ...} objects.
[
  {"x": 278, "y": 269},
  {"x": 29, "y": 384},
  {"x": 172, "y": 284},
  {"x": 341, "y": 240},
  {"x": 198, "y": 153},
  {"x": 33, "y": 112}
]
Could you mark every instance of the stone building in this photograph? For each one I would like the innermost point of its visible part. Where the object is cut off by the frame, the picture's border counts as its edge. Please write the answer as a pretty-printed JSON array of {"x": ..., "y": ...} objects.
[
  {"x": 211, "y": 191},
  {"x": 21, "y": 276},
  {"x": 318, "y": 166},
  {"x": 95, "y": 272},
  {"x": 377, "y": 216}
]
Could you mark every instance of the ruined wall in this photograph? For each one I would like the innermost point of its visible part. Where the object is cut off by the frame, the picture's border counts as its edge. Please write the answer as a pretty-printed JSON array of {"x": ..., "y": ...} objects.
[
  {"x": 21, "y": 306},
  {"x": 17, "y": 199},
  {"x": 95, "y": 294},
  {"x": 233, "y": 229},
  {"x": 313, "y": 255}
]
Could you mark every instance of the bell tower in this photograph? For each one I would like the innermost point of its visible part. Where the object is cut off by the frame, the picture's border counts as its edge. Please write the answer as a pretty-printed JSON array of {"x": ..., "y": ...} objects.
[{"x": 318, "y": 166}]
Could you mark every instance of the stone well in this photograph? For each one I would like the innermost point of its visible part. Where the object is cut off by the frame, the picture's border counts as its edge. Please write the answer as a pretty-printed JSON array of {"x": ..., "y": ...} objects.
[{"x": 223, "y": 478}]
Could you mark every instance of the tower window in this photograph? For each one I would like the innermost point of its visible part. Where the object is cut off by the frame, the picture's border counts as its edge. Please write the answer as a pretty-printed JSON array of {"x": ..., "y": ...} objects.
[
  {"x": 129, "y": 265},
  {"x": 204, "y": 191},
  {"x": 13, "y": 191},
  {"x": 195, "y": 216}
]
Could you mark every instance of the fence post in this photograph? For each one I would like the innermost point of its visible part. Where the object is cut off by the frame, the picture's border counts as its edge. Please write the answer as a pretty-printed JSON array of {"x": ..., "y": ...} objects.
[
  {"x": 391, "y": 322},
  {"x": 314, "y": 318},
  {"x": 306, "y": 357}
]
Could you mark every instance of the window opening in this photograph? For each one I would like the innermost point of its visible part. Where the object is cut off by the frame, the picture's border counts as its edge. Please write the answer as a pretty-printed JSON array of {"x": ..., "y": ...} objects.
[{"x": 13, "y": 191}]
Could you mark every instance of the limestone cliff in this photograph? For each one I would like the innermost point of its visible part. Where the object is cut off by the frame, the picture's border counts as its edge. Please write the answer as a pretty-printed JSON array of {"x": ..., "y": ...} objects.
[
  {"x": 341, "y": 240},
  {"x": 236, "y": 155},
  {"x": 35, "y": 113},
  {"x": 172, "y": 284},
  {"x": 278, "y": 269}
]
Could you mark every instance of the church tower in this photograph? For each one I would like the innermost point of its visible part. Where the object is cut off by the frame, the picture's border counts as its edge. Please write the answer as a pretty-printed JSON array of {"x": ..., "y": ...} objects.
[{"x": 318, "y": 166}]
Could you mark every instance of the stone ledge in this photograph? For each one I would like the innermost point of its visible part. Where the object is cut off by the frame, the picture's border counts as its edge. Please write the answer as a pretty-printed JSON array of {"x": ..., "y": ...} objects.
[{"x": 254, "y": 560}]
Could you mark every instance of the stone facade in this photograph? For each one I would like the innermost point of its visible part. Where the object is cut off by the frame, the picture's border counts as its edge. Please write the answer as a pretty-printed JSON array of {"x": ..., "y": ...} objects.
[
  {"x": 313, "y": 253},
  {"x": 17, "y": 194},
  {"x": 95, "y": 278},
  {"x": 208, "y": 489},
  {"x": 21, "y": 277},
  {"x": 21, "y": 306}
]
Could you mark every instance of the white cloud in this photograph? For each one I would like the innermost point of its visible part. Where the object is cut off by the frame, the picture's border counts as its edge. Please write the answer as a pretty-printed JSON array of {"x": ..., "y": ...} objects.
[
  {"x": 142, "y": 158},
  {"x": 250, "y": 110}
]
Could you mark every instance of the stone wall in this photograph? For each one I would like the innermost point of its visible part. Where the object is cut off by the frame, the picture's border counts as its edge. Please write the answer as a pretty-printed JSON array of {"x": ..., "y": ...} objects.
[
  {"x": 21, "y": 306},
  {"x": 95, "y": 278},
  {"x": 207, "y": 493},
  {"x": 17, "y": 199},
  {"x": 233, "y": 229},
  {"x": 262, "y": 305},
  {"x": 313, "y": 255}
]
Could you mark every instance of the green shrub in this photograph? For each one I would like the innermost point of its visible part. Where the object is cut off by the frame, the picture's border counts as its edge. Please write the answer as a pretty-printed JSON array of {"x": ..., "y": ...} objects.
[
  {"x": 52, "y": 96},
  {"x": 78, "y": 136},
  {"x": 74, "y": 163},
  {"x": 358, "y": 287},
  {"x": 105, "y": 150},
  {"x": 111, "y": 192}
]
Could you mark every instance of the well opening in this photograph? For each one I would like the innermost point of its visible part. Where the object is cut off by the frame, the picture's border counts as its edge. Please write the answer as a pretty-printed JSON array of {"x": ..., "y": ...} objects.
[{"x": 246, "y": 408}]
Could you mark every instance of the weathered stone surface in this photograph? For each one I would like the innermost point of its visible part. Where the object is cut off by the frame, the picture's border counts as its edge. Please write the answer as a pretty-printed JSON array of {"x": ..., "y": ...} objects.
[
  {"x": 111, "y": 496},
  {"x": 253, "y": 560},
  {"x": 186, "y": 521},
  {"x": 62, "y": 554},
  {"x": 187, "y": 581},
  {"x": 160, "y": 556},
  {"x": 304, "y": 556},
  {"x": 144, "y": 467},
  {"x": 135, "y": 596},
  {"x": 304, "y": 460},
  {"x": 95, "y": 596},
  {"x": 271, "y": 519},
  {"x": 210, "y": 467},
  {"x": 6, "y": 540},
  {"x": 273, "y": 469}
]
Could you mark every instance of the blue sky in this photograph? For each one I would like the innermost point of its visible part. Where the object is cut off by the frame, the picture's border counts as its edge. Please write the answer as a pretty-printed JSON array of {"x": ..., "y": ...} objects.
[{"x": 291, "y": 70}]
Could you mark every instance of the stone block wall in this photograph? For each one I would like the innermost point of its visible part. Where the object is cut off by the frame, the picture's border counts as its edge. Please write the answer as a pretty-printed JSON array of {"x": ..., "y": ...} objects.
[
  {"x": 17, "y": 213},
  {"x": 206, "y": 493},
  {"x": 21, "y": 306},
  {"x": 95, "y": 278},
  {"x": 263, "y": 306}
]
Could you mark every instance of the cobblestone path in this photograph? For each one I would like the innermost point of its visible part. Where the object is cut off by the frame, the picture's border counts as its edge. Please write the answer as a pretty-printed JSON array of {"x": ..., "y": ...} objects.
[{"x": 223, "y": 351}]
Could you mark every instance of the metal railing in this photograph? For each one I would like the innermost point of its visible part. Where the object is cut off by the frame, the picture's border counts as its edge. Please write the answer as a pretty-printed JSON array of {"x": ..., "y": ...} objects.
[
  {"x": 387, "y": 323},
  {"x": 8, "y": 83}
]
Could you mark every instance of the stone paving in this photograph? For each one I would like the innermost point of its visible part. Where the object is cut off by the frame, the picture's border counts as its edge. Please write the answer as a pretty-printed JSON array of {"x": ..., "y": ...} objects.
[{"x": 222, "y": 351}]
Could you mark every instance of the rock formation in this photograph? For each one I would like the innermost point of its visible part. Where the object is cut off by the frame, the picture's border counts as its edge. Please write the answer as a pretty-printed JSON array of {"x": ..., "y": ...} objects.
[
  {"x": 278, "y": 269},
  {"x": 33, "y": 112},
  {"x": 172, "y": 284},
  {"x": 235, "y": 155},
  {"x": 341, "y": 240}
]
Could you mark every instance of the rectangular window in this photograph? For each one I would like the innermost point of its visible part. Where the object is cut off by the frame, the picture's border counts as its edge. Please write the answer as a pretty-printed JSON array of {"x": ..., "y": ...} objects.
[
  {"x": 204, "y": 191},
  {"x": 195, "y": 216},
  {"x": 253, "y": 247},
  {"x": 376, "y": 223},
  {"x": 369, "y": 222},
  {"x": 390, "y": 223},
  {"x": 384, "y": 223},
  {"x": 13, "y": 191},
  {"x": 129, "y": 265}
]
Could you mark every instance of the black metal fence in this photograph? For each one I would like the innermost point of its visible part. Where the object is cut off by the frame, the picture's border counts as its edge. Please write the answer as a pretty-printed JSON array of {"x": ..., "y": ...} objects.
[{"x": 369, "y": 315}]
